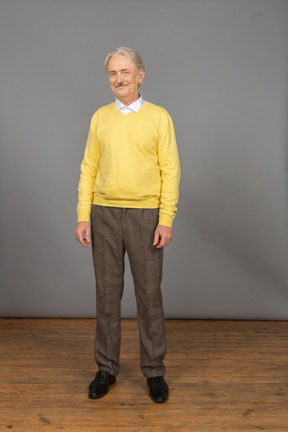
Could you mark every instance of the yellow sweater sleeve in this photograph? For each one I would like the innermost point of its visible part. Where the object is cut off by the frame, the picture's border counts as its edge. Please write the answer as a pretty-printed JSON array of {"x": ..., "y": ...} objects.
[
  {"x": 169, "y": 170},
  {"x": 89, "y": 169}
]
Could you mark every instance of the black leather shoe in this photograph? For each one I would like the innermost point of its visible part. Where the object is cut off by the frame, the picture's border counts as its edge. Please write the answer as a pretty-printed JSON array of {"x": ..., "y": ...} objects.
[
  {"x": 99, "y": 387},
  {"x": 159, "y": 390}
]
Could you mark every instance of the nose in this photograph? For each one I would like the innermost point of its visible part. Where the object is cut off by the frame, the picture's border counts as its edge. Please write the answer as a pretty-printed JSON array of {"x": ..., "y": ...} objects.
[{"x": 119, "y": 77}]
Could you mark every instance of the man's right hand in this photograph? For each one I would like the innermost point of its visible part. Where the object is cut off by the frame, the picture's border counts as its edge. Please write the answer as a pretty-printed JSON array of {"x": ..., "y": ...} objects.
[{"x": 81, "y": 229}]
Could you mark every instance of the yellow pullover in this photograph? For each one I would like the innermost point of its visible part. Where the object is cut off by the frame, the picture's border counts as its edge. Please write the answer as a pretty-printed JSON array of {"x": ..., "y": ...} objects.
[{"x": 130, "y": 161}]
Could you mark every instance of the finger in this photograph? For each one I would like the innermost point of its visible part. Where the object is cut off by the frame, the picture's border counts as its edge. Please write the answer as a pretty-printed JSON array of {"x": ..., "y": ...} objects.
[
  {"x": 88, "y": 236},
  {"x": 165, "y": 241},
  {"x": 81, "y": 239},
  {"x": 162, "y": 243},
  {"x": 86, "y": 239},
  {"x": 156, "y": 238}
]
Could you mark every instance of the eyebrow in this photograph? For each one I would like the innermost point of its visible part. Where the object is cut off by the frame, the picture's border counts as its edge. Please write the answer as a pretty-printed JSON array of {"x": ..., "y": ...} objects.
[{"x": 122, "y": 70}]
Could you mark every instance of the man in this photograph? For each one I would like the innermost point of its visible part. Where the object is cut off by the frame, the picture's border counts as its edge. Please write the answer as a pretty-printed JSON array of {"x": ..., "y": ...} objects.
[{"x": 130, "y": 178}]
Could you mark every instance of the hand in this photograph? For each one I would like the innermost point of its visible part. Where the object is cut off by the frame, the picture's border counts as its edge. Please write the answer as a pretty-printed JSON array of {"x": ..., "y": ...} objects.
[
  {"x": 162, "y": 236},
  {"x": 81, "y": 229}
]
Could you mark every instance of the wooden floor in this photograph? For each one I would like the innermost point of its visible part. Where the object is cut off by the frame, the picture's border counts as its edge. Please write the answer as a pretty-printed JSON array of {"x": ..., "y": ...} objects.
[{"x": 223, "y": 376}]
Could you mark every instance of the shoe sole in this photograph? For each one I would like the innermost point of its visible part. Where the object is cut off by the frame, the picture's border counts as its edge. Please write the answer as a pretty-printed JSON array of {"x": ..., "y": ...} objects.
[{"x": 158, "y": 401}]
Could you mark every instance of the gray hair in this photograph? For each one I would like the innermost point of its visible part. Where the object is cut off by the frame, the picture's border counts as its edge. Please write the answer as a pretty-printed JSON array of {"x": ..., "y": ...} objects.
[{"x": 131, "y": 54}]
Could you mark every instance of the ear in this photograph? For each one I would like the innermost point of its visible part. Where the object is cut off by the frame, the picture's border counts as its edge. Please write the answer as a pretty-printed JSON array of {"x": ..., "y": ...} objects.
[{"x": 141, "y": 75}]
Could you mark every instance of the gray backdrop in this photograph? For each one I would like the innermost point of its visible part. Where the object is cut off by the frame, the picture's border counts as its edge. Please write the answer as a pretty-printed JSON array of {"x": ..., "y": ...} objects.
[{"x": 220, "y": 68}]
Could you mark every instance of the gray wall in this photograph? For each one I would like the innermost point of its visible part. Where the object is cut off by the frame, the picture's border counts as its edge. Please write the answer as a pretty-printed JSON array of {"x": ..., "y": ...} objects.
[{"x": 220, "y": 68}]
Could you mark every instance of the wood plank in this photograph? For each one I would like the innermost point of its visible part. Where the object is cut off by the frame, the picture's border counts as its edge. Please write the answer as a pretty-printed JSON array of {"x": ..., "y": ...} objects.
[{"x": 223, "y": 376}]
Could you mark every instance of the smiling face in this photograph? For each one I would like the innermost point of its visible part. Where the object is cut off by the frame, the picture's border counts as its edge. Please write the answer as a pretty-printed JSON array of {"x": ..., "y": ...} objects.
[{"x": 124, "y": 78}]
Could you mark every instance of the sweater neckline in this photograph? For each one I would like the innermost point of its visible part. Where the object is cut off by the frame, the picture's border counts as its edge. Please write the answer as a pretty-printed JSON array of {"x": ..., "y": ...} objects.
[{"x": 132, "y": 114}]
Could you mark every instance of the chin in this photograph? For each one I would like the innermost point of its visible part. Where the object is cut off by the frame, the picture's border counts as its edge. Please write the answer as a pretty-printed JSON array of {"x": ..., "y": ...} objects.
[{"x": 123, "y": 94}]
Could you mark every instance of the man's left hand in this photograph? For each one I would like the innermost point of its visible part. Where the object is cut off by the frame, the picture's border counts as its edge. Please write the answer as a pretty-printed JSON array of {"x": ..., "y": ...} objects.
[{"x": 162, "y": 236}]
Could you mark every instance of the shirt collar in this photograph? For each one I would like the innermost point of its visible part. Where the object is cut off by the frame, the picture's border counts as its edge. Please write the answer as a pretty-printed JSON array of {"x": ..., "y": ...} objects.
[{"x": 134, "y": 106}]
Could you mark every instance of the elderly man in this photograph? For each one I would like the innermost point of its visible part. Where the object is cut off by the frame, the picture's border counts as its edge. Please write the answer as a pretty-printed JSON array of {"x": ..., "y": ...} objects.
[{"x": 128, "y": 189}]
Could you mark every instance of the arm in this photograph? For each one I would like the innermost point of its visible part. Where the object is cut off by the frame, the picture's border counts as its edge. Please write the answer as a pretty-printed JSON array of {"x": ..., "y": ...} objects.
[
  {"x": 89, "y": 169},
  {"x": 170, "y": 179}
]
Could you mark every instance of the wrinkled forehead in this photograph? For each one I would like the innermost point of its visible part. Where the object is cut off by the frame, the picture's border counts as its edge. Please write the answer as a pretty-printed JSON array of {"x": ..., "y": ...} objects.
[{"x": 118, "y": 62}]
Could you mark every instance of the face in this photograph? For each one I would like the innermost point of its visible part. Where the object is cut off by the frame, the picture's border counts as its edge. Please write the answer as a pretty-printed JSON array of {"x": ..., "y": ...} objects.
[{"x": 124, "y": 78}]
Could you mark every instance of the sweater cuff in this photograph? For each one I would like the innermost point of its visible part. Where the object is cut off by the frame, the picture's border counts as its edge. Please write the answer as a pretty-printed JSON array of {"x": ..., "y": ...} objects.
[
  {"x": 83, "y": 217},
  {"x": 166, "y": 220}
]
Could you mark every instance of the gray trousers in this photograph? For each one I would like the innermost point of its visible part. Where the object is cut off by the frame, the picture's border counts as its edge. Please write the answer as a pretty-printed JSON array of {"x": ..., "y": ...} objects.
[{"x": 115, "y": 231}]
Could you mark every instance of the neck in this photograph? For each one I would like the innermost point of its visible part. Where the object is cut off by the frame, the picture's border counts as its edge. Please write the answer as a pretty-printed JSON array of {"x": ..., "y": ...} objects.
[{"x": 127, "y": 102}]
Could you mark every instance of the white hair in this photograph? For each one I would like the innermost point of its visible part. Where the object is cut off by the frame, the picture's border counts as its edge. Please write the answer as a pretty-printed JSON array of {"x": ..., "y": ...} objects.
[{"x": 131, "y": 54}]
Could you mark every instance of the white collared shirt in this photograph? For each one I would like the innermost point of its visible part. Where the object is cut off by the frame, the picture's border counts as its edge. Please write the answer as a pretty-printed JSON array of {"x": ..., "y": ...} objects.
[{"x": 135, "y": 106}]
